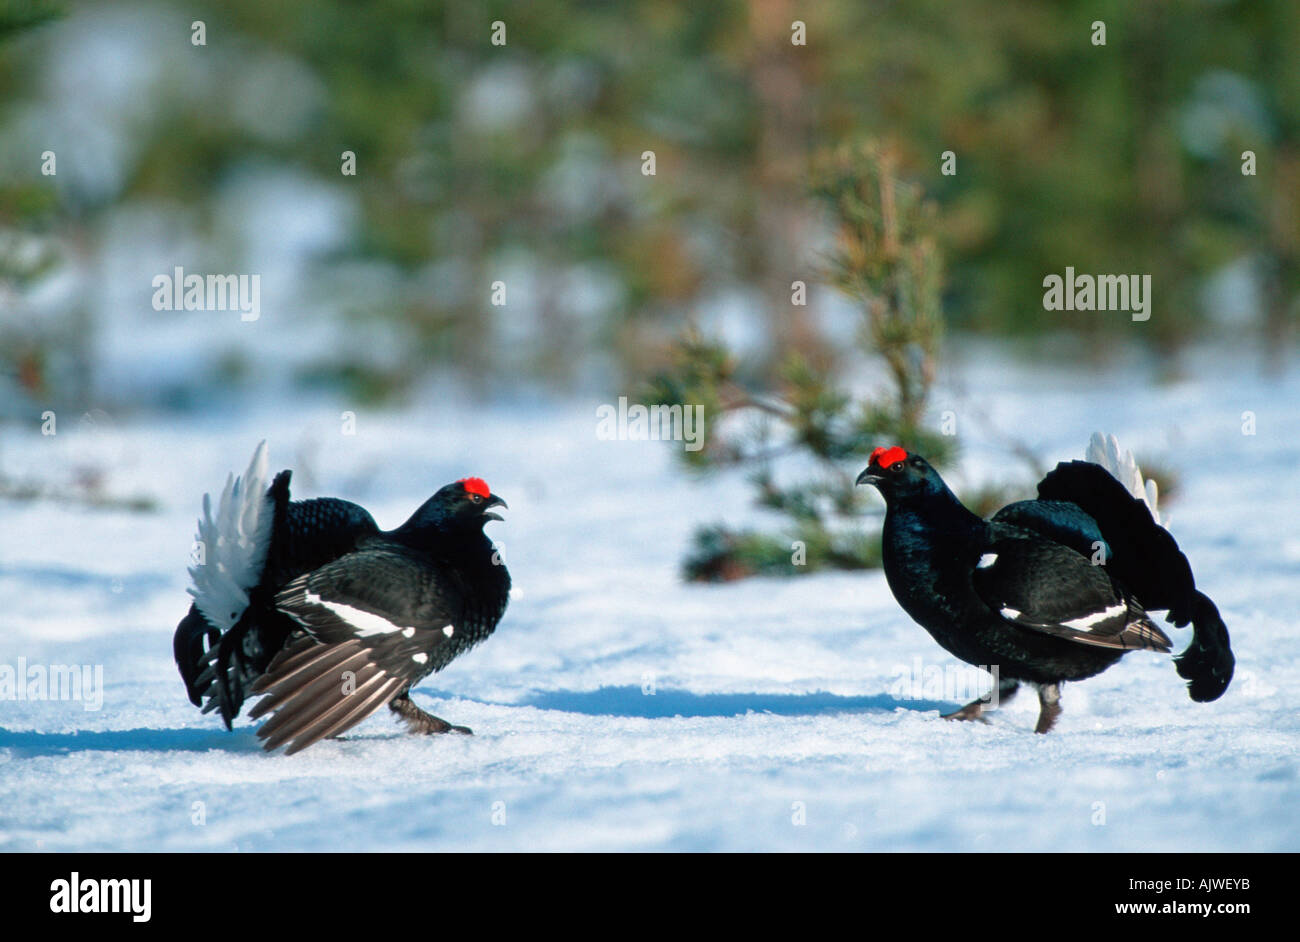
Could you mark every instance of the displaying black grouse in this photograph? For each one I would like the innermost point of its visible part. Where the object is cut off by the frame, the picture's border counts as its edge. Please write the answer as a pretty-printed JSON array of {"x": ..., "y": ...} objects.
[
  {"x": 311, "y": 605},
  {"x": 1048, "y": 590}
]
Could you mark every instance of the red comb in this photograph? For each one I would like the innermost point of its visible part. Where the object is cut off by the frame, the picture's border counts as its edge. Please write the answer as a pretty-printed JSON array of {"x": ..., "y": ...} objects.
[
  {"x": 887, "y": 456},
  {"x": 476, "y": 486}
]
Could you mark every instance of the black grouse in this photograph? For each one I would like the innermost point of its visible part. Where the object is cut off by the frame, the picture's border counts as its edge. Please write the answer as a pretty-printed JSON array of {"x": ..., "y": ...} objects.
[
  {"x": 309, "y": 604},
  {"x": 1048, "y": 590}
]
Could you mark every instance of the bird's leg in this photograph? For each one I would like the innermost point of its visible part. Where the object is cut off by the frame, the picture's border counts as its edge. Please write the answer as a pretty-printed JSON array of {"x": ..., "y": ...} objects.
[
  {"x": 1049, "y": 701},
  {"x": 976, "y": 708},
  {"x": 418, "y": 721}
]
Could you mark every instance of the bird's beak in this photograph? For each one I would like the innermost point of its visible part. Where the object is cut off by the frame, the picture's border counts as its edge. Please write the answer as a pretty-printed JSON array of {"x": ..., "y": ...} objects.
[
  {"x": 494, "y": 501},
  {"x": 869, "y": 475}
]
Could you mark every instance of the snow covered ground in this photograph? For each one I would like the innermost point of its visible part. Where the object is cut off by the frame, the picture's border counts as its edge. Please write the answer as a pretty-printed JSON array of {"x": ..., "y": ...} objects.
[{"x": 616, "y": 708}]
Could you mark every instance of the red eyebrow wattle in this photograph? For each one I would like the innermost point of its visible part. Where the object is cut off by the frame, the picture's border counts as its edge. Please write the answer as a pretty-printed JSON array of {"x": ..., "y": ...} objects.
[
  {"x": 884, "y": 457},
  {"x": 476, "y": 486}
]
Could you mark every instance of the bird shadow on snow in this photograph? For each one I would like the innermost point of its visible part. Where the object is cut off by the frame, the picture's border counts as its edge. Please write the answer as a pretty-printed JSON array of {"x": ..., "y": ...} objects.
[
  {"x": 632, "y": 701},
  {"x": 629, "y": 701},
  {"x": 32, "y": 743}
]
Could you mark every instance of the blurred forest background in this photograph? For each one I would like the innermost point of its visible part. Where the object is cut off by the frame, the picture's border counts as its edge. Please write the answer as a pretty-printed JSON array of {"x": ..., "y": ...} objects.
[{"x": 522, "y": 163}]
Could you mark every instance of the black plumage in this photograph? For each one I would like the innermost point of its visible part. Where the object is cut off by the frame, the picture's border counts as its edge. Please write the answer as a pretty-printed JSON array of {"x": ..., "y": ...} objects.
[
  {"x": 344, "y": 618},
  {"x": 1049, "y": 590}
]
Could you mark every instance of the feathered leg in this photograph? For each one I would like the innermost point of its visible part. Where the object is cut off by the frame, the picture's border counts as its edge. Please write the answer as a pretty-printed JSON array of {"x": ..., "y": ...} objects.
[{"x": 1049, "y": 706}]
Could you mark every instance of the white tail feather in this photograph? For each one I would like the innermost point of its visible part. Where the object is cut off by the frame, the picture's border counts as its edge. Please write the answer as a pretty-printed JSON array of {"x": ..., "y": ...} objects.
[
  {"x": 234, "y": 544},
  {"x": 1105, "y": 451}
]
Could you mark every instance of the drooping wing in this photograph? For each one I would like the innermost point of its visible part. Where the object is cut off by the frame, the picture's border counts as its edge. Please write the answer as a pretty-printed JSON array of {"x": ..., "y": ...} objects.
[
  {"x": 373, "y": 621},
  {"x": 1047, "y": 587}
]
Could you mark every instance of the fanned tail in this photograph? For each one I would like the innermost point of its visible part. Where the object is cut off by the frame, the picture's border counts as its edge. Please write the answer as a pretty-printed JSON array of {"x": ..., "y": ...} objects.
[
  {"x": 1123, "y": 467},
  {"x": 233, "y": 544},
  {"x": 193, "y": 639},
  {"x": 1144, "y": 556},
  {"x": 229, "y": 667},
  {"x": 1207, "y": 664},
  {"x": 218, "y": 645}
]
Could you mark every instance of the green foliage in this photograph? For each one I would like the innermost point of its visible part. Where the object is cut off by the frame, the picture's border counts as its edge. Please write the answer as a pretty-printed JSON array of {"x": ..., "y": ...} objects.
[
  {"x": 886, "y": 260},
  {"x": 17, "y": 16},
  {"x": 476, "y": 160},
  {"x": 722, "y": 554},
  {"x": 1117, "y": 158},
  {"x": 701, "y": 372}
]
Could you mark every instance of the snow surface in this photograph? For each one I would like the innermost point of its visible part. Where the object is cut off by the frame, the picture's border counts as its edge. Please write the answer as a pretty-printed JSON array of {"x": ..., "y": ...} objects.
[{"x": 616, "y": 708}]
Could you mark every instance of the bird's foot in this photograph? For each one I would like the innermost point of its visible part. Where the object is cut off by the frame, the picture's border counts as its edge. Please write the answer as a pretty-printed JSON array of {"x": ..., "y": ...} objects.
[
  {"x": 418, "y": 721},
  {"x": 976, "y": 709},
  {"x": 971, "y": 711},
  {"x": 1049, "y": 707}
]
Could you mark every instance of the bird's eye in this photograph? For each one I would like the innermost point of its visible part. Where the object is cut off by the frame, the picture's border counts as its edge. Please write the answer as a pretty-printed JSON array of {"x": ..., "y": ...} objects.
[{"x": 476, "y": 498}]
